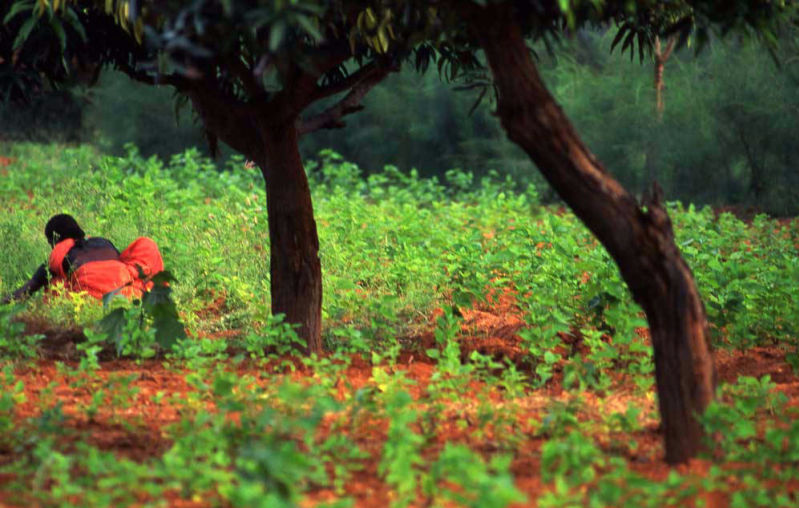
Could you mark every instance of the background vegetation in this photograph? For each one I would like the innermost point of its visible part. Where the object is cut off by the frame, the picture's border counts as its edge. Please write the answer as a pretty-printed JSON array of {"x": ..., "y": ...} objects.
[
  {"x": 726, "y": 138},
  {"x": 385, "y": 267}
]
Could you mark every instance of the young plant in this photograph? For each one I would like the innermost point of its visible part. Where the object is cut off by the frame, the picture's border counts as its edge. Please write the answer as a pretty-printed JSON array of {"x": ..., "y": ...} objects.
[{"x": 150, "y": 324}]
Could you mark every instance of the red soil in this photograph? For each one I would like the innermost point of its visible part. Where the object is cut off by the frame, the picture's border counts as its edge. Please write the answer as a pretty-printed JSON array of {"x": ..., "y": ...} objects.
[{"x": 138, "y": 431}]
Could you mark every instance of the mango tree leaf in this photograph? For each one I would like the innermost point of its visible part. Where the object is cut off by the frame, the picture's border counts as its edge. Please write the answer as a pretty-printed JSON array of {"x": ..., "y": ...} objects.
[
  {"x": 309, "y": 27},
  {"x": 55, "y": 24},
  {"x": 16, "y": 9},
  {"x": 24, "y": 32},
  {"x": 276, "y": 35},
  {"x": 72, "y": 19}
]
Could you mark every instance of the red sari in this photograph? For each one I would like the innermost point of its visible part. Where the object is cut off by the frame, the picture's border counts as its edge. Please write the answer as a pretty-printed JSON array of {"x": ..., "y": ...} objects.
[{"x": 100, "y": 277}]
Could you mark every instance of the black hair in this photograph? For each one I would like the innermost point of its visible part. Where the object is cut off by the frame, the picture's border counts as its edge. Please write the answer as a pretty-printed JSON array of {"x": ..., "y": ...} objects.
[{"x": 63, "y": 226}]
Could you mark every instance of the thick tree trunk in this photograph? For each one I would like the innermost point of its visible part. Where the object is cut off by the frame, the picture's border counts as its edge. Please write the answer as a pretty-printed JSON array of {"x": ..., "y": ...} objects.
[
  {"x": 269, "y": 137},
  {"x": 640, "y": 240},
  {"x": 296, "y": 273}
]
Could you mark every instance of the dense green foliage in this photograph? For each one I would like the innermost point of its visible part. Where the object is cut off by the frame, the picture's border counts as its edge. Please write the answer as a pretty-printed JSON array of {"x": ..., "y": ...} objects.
[
  {"x": 726, "y": 137},
  {"x": 394, "y": 245},
  {"x": 394, "y": 248}
]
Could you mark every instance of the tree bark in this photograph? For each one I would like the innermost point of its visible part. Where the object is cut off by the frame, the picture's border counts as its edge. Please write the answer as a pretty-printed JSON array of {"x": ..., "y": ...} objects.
[
  {"x": 661, "y": 56},
  {"x": 272, "y": 142},
  {"x": 267, "y": 132},
  {"x": 640, "y": 240},
  {"x": 295, "y": 270}
]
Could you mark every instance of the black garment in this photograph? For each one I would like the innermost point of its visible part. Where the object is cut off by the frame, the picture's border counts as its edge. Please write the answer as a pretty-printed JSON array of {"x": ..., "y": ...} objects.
[{"x": 84, "y": 251}]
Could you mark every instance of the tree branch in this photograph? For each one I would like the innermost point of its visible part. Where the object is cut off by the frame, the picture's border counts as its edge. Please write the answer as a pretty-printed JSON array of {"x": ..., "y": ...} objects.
[
  {"x": 346, "y": 83},
  {"x": 246, "y": 77},
  {"x": 661, "y": 56},
  {"x": 329, "y": 56},
  {"x": 233, "y": 123},
  {"x": 669, "y": 47},
  {"x": 351, "y": 103},
  {"x": 175, "y": 80}
]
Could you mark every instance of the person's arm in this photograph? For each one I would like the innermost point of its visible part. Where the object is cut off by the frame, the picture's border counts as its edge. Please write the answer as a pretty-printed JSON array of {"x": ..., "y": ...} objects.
[{"x": 37, "y": 282}]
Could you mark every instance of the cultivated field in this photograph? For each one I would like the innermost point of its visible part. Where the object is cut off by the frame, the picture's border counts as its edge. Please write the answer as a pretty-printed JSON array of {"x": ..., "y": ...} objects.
[{"x": 481, "y": 350}]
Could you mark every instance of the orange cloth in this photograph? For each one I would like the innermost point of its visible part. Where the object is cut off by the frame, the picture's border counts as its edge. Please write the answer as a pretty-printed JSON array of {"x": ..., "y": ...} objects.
[
  {"x": 57, "y": 256},
  {"x": 100, "y": 277}
]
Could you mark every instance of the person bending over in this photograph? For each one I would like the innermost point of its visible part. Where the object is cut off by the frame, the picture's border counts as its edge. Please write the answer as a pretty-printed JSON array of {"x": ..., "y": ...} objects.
[{"x": 91, "y": 264}]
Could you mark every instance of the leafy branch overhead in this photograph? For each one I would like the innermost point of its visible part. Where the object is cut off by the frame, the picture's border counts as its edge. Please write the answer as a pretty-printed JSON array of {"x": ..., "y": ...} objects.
[
  {"x": 271, "y": 59},
  {"x": 253, "y": 53}
]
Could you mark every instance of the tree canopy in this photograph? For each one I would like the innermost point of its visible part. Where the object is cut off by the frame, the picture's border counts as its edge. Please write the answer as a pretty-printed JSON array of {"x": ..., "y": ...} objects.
[
  {"x": 276, "y": 58},
  {"x": 157, "y": 41}
]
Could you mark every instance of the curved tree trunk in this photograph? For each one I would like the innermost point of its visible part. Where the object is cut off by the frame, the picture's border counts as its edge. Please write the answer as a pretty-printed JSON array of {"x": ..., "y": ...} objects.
[
  {"x": 295, "y": 270},
  {"x": 640, "y": 240}
]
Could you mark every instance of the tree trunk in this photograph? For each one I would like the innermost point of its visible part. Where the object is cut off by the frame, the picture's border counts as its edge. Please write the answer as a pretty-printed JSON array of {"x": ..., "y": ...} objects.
[
  {"x": 661, "y": 56},
  {"x": 651, "y": 161},
  {"x": 660, "y": 104},
  {"x": 296, "y": 273},
  {"x": 271, "y": 141},
  {"x": 640, "y": 240}
]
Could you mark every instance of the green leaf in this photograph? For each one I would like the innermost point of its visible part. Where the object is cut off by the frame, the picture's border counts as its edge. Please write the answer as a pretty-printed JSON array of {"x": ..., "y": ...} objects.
[
  {"x": 223, "y": 386},
  {"x": 24, "y": 32},
  {"x": 113, "y": 326},
  {"x": 55, "y": 24},
  {"x": 108, "y": 297},
  {"x": 276, "y": 34},
  {"x": 168, "y": 332},
  {"x": 629, "y": 43},
  {"x": 163, "y": 277},
  {"x": 16, "y": 9},
  {"x": 310, "y": 28},
  {"x": 159, "y": 295},
  {"x": 619, "y": 36},
  {"x": 72, "y": 19}
]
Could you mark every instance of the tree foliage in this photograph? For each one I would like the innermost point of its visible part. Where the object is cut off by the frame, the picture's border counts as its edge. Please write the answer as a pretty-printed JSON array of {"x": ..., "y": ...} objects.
[{"x": 252, "y": 51}]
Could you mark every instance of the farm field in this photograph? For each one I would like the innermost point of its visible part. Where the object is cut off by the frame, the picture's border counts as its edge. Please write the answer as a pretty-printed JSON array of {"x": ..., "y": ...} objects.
[{"x": 481, "y": 349}]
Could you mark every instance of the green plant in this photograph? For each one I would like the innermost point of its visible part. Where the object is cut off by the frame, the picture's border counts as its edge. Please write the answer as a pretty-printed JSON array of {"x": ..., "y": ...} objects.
[
  {"x": 560, "y": 418},
  {"x": 401, "y": 455},
  {"x": 12, "y": 393},
  {"x": 461, "y": 476},
  {"x": 574, "y": 459},
  {"x": 13, "y": 343},
  {"x": 275, "y": 337},
  {"x": 150, "y": 322}
]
